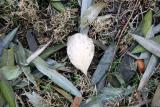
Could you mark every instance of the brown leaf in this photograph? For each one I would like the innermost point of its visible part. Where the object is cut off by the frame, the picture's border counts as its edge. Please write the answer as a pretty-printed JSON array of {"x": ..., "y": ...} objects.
[
  {"x": 65, "y": 94},
  {"x": 140, "y": 65},
  {"x": 76, "y": 102}
]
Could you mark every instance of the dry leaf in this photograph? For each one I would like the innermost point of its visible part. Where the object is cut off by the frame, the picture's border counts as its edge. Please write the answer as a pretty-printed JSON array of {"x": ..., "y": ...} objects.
[
  {"x": 140, "y": 65},
  {"x": 76, "y": 102},
  {"x": 64, "y": 93},
  {"x": 80, "y": 50}
]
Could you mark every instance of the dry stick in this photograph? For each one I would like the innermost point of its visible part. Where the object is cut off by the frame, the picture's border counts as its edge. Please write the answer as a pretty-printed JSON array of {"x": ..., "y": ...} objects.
[{"x": 126, "y": 24}]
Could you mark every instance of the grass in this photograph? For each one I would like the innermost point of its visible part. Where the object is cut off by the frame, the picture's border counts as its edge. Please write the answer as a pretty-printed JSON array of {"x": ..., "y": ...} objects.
[{"x": 47, "y": 22}]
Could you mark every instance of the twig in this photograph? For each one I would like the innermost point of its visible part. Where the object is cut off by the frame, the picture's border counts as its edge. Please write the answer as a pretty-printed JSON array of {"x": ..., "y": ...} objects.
[{"x": 124, "y": 28}]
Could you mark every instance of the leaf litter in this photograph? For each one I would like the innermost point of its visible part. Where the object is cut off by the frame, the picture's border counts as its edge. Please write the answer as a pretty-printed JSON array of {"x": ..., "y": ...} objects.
[{"x": 49, "y": 79}]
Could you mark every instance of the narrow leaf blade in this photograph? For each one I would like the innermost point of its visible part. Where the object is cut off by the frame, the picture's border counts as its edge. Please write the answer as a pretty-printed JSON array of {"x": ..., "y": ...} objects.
[
  {"x": 11, "y": 72},
  {"x": 36, "y": 100},
  {"x": 139, "y": 48},
  {"x": 37, "y": 52},
  {"x": 149, "y": 45},
  {"x": 104, "y": 64},
  {"x": 50, "y": 50},
  {"x": 90, "y": 15},
  {"x": 54, "y": 75},
  {"x": 9, "y": 37},
  {"x": 7, "y": 91}
]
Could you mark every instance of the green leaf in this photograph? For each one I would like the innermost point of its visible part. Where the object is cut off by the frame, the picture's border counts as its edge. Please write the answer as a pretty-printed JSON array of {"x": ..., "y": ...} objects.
[
  {"x": 7, "y": 92},
  {"x": 108, "y": 95},
  {"x": 20, "y": 54},
  {"x": 145, "y": 24},
  {"x": 10, "y": 72},
  {"x": 7, "y": 57},
  {"x": 139, "y": 48},
  {"x": 143, "y": 28},
  {"x": 58, "y": 6},
  {"x": 27, "y": 72},
  {"x": 57, "y": 78},
  {"x": 9, "y": 37},
  {"x": 150, "y": 45},
  {"x": 3, "y": 60},
  {"x": 37, "y": 52},
  {"x": 50, "y": 50},
  {"x": 21, "y": 60}
]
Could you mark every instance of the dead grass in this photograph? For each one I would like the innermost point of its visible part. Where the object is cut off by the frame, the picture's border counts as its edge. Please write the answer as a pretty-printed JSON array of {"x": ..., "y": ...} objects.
[{"x": 60, "y": 25}]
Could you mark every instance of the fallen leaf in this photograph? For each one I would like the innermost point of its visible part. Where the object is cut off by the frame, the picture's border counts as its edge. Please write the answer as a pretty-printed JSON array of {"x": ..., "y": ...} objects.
[
  {"x": 143, "y": 28},
  {"x": 140, "y": 65},
  {"x": 51, "y": 50},
  {"x": 145, "y": 23},
  {"x": 27, "y": 72},
  {"x": 139, "y": 48},
  {"x": 9, "y": 37},
  {"x": 7, "y": 91},
  {"x": 57, "y": 78},
  {"x": 76, "y": 102},
  {"x": 10, "y": 72},
  {"x": 65, "y": 94},
  {"x": 21, "y": 60},
  {"x": 36, "y": 100},
  {"x": 7, "y": 57},
  {"x": 37, "y": 52},
  {"x": 80, "y": 50},
  {"x": 101, "y": 84},
  {"x": 90, "y": 15},
  {"x": 20, "y": 54},
  {"x": 104, "y": 64},
  {"x": 57, "y": 5},
  {"x": 108, "y": 96},
  {"x": 31, "y": 41},
  {"x": 149, "y": 45}
]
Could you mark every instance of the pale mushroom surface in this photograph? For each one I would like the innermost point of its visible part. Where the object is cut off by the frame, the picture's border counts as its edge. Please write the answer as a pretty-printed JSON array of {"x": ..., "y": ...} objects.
[{"x": 80, "y": 50}]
